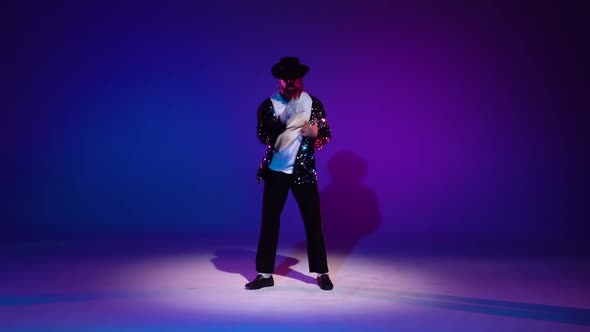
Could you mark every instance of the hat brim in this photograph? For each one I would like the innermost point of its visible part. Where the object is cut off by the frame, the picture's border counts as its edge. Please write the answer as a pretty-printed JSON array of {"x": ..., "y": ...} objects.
[{"x": 291, "y": 73}]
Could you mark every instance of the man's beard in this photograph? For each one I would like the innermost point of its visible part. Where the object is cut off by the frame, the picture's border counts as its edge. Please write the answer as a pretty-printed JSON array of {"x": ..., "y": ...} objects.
[{"x": 292, "y": 91}]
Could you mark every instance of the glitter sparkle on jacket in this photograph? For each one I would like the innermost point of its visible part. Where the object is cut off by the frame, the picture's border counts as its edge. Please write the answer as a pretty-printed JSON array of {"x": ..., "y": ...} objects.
[{"x": 270, "y": 127}]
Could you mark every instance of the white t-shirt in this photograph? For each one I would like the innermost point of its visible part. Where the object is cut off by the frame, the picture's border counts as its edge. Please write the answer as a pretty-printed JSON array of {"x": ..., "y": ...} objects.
[{"x": 294, "y": 113}]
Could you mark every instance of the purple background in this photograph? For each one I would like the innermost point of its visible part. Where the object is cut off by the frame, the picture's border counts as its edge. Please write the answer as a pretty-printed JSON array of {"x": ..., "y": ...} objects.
[{"x": 455, "y": 125}]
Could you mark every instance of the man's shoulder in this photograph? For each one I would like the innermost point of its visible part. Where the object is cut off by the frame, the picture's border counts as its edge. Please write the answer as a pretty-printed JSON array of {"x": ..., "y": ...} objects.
[
  {"x": 266, "y": 103},
  {"x": 316, "y": 101}
]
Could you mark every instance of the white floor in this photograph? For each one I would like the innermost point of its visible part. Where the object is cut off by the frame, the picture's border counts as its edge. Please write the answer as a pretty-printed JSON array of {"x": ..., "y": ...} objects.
[{"x": 203, "y": 290}]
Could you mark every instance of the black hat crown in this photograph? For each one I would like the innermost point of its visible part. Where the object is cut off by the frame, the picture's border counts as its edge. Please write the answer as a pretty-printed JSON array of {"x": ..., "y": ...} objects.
[{"x": 289, "y": 68}]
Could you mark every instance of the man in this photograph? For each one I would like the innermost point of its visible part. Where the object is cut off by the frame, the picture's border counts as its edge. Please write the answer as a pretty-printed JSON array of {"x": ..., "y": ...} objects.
[{"x": 292, "y": 124}]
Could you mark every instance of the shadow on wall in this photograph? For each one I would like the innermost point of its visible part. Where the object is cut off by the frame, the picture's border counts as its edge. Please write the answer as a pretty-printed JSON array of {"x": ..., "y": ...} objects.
[{"x": 350, "y": 211}]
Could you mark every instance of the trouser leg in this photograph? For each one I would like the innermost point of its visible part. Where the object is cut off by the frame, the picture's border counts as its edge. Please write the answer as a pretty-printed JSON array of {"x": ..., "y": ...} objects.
[
  {"x": 308, "y": 199},
  {"x": 276, "y": 188}
]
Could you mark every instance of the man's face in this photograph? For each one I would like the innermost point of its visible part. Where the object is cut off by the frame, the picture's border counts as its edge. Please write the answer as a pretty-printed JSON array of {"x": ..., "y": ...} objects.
[{"x": 291, "y": 87}]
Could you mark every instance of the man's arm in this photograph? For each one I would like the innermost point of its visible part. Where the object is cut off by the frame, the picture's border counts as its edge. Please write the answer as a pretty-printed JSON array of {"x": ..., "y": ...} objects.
[
  {"x": 324, "y": 130},
  {"x": 269, "y": 126}
]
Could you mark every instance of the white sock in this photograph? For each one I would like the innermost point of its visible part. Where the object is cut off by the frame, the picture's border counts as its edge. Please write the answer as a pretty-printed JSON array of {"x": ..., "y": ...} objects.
[
  {"x": 321, "y": 274},
  {"x": 266, "y": 275}
]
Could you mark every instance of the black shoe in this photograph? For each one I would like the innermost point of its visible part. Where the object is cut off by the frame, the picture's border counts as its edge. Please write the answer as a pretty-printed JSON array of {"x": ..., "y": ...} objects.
[
  {"x": 325, "y": 282},
  {"x": 260, "y": 282}
]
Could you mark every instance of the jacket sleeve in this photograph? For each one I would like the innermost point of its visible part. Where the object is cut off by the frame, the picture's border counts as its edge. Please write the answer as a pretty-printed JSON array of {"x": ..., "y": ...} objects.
[
  {"x": 324, "y": 130},
  {"x": 269, "y": 126}
]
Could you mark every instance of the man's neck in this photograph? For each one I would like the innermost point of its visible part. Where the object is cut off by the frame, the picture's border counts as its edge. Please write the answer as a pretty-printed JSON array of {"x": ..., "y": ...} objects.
[{"x": 287, "y": 98}]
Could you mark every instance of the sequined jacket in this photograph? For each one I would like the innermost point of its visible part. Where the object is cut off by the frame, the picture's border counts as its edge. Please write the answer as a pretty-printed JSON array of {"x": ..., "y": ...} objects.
[{"x": 270, "y": 127}]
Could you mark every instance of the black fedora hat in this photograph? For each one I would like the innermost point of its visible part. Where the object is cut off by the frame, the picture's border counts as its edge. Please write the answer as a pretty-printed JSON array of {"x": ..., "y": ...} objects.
[{"x": 289, "y": 68}]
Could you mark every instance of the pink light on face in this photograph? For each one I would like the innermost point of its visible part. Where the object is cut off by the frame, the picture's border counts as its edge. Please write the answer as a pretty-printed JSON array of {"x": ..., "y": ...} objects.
[{"x": 291, "y": 87}]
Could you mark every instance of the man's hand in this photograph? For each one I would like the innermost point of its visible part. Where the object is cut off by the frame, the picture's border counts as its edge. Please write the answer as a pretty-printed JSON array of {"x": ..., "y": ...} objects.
[{"x": 309, "y": 131}]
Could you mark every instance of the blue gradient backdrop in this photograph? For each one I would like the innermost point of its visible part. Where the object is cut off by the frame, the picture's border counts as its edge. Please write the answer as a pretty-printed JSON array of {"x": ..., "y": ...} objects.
[{"x": 455, "y": 125}]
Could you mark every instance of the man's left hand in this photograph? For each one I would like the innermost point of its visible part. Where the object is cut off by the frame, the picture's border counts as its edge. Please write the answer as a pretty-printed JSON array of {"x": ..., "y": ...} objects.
[{"x": 309, "y": 131}]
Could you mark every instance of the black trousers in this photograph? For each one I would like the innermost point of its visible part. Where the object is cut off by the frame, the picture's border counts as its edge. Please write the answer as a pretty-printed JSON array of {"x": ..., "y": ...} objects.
[{"x": 276, "y": 189}]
